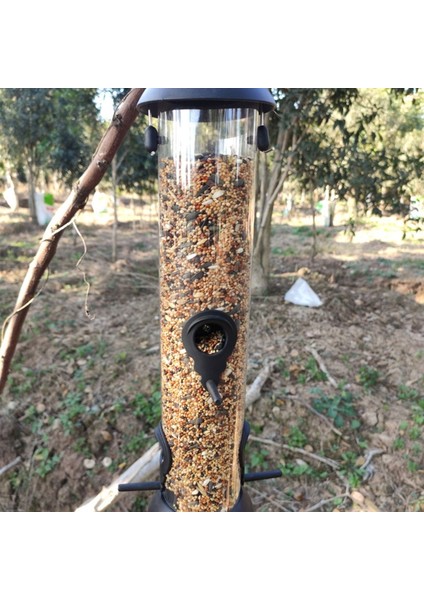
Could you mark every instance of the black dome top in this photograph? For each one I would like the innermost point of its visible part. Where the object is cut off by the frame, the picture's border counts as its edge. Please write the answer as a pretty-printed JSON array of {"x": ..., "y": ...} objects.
[{"x": 162, "y": 99}]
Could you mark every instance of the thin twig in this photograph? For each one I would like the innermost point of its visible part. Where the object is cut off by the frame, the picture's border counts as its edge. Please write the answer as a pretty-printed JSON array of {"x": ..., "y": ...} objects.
[
  {"x": 56, "y": 231},
  {"x": 324, "y": 502},
  {"x": 367, "y": 467},
  {"x": 271, "y": 500},
  {"x": 87, "y": 283},
  {"x": 320, "y": 415},
  {"x": 370, "y": 455},
  {"x": 16, "y": 311},
  {"x": 322, "y": 367},
  {"x": 10, "y": 465},
  {"x": 139, "y": 277},
  {"x": 327, "y": 461},
  {"x": 254, "y": 390},
  {"x": 265, "y": 441}
]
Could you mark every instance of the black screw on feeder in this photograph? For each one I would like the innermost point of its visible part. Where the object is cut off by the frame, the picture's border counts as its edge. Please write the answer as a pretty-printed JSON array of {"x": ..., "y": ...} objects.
[
  {"x": 207, "y": 140},
  {"x": 263, "y": 136},
  {"x": 151, "y": 137}
]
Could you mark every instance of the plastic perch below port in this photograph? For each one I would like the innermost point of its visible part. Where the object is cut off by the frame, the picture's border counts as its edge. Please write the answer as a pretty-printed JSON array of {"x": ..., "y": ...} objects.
[
  {"x": 156, "y": 485},
  {"x": 213, "y": 391}
]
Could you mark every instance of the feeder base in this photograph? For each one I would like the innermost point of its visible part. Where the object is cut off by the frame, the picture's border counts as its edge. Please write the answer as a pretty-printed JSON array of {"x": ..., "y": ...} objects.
[{"x": 243, "y": 504}]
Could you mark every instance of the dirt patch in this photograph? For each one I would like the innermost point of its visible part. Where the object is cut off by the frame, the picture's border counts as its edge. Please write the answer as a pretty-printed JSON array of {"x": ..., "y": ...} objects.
[{"x": 84, "y": 395}]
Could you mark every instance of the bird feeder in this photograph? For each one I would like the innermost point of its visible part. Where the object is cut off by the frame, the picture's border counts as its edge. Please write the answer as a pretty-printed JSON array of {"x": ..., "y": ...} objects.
[{"x": 207, "y": 142}]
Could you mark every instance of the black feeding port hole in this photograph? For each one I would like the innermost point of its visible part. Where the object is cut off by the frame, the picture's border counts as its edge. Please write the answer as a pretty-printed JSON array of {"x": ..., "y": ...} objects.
[{"x": 209, "y": 338}]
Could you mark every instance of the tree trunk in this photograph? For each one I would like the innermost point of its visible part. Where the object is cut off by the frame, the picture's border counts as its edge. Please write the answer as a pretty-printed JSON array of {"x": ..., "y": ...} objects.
[
  {"x": 134, "y": 215},
  {"x": 274, "y": 179},
  {"x": 312, "y": 200},
  {"x": 332, "y": 211},
  {"x": 263, "y": 176},
  {"x": 31, "y": 194},
  {"x": 326, "y": 210},
  {"x": 352, "y": 207},
  {"x": 329, "y": 206},
  {"x": 13, "y": 199},
  {"x": 261, "y": 261},
  {"x": 289, "y": 205}
]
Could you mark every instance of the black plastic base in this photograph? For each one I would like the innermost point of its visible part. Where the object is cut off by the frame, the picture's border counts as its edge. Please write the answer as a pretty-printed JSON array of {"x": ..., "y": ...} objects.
[
  {"x": 158, "y": 504},
  {"x": 243, "y": 504}
]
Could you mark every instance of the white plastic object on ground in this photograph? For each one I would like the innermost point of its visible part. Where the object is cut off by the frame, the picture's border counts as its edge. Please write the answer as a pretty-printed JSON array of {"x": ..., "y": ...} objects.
[
  {"x": 302, "y": 294},
  {"x": 10, "y": 197},
  {"x": 43, "y": 211}
]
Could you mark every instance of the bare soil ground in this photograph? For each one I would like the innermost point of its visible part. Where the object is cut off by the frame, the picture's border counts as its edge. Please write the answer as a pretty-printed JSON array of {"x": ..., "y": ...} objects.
[{"x": 84, "y": 394}]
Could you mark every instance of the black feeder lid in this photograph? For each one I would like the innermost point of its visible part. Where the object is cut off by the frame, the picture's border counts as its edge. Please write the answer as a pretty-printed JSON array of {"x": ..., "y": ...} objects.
[{"x": 159, "y": 100}]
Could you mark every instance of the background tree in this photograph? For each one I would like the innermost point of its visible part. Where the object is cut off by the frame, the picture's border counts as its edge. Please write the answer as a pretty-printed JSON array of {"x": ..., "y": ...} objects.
[
  {"x": 295, "y": 144},
  {"x": 76, "y": 125},
  {"x": 45, "y": 130},
  {"x": 136, "y": 168},
  {"x": 363, "y": 145},
  {"x": 374, "y": 152},
  {"x": 133, "y": 169},
  {"x": 383, "y": 147}
]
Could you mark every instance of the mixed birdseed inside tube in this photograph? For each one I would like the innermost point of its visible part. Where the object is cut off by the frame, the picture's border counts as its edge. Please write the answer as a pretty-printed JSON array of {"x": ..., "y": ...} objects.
[{"x": 205, "y": 256}]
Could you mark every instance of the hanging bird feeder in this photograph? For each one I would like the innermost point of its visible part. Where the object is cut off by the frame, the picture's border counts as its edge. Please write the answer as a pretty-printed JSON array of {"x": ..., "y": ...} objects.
[{"x": 207, "y": 142}]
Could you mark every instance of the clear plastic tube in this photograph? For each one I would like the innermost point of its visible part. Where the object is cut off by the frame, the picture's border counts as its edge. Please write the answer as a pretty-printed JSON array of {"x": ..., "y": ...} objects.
[{"x": 206, "y": 188}]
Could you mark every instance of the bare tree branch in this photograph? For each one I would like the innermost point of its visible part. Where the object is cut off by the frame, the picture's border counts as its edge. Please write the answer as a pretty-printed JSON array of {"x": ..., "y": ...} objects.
[
  {"x": 124, "y": 116},
  {"x": 322, "y": 366}
]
